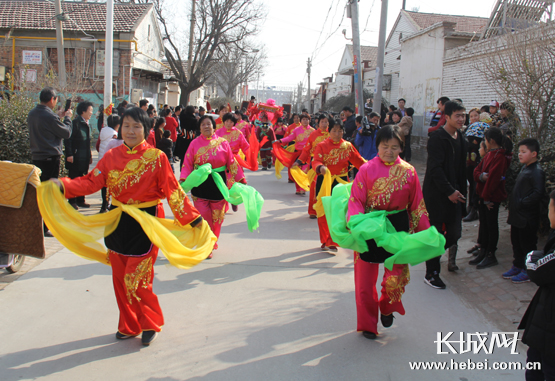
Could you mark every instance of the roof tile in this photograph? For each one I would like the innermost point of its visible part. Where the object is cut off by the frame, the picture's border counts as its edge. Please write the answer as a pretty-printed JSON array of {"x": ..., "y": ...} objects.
[{"x": 464, "y": 23}]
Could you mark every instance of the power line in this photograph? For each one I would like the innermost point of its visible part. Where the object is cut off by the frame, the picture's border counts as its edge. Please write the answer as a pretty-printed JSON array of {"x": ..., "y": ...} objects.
[
  {"x": 316, "y": 51},
  {"x": 322, "y": 29},
  {"x": 369, "y": 14}
]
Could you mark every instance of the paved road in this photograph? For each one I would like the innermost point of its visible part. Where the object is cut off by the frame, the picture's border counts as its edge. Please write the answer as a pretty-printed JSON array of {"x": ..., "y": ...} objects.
[{"x": 269, "y": 306}]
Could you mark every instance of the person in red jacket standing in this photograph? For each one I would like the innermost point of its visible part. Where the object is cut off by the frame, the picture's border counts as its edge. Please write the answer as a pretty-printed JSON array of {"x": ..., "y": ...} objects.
[{"x": 490, "y": 187}]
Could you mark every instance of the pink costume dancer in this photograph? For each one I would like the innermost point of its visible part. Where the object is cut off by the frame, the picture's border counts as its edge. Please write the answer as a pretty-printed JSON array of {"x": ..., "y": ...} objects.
[
  {"x": 237, "y": 142},
  {"x": 384, "y": 186},
  {"x": 207, "y": 198},
  {"x": 300, "y": 136}
]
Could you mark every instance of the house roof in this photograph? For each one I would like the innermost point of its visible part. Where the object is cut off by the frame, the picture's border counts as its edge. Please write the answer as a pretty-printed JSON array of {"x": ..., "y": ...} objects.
[
  {"x": 468, "y": 24},
  {"x": 368, "y": 53},
  {"x": 90, "y": 17}
]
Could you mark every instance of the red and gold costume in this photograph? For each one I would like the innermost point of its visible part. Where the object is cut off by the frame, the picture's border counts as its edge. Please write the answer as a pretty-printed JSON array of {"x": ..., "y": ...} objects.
[
  {"x": 384, "y": 186},
  {"x": 207, "y": 198},
  {"x": 307, "y": 154},
  {"x": 336, "y": 157},
  {"x": 138, "y": 176},
  {"x": 237, "y": 142},
  {"x": 300, "y": 136},
  {"x": 219, "y": 123}
]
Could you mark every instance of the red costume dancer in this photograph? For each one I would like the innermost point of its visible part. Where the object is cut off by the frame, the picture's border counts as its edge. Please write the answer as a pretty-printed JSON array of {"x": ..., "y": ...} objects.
[
  {"x": 135, "y": 174},
  {"x": 385, "y": 183},
  {"x": 210, "y": 148},
  {"x": 333, "y": 155},
  {"x": 220, "y": 121},
  {"x": 300, "y": 136},
  {"x": 236, "y": 141},
  {"x": 314, "y": 139}
]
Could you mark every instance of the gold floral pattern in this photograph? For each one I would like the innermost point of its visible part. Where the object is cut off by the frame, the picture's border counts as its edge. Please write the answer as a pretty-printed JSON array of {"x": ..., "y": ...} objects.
[
  {"x": 119, "y": 180},
  {"x": 142, "y": 274},
  {"x": 304, "y": 135},
  {"x": 395, "y": 285},
  {"x": 319, "y": 140},
  {"x": 232, "y": 136},
  {"x": 177, "y": 201},
  {"x": 338, "y": 154},
  {"x": 383, "y": 188},
  {"x": 233, "y": 169},
  {"x": 218, "y": 215},
  {"x": 416, "y": 215},
  {"x": 204, "y": 153}
]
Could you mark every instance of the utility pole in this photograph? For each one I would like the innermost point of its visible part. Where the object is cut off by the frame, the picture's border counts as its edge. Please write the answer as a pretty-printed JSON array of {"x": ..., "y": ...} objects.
[
  {"x": 381, "y": 54},
  {"x": 299, "y": 97},
  {"x": 192, "y": 38},
  {"x": 359, "y": 94},
  {"x": 308, "y": 67},
  {"x": 109, "y": 53},
  {"x": 60, "y": 45}
]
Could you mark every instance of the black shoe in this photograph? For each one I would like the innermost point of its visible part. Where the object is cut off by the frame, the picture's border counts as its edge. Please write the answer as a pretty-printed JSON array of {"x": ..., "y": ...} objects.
[
  {"x": 83, "y": 205},
  {"x": 48, "y": 234},
  {"x": 474, "y": 250},
  {"x": 74, "y": 206},
  {"x": 121, "y": 336},
  {"x": 472, "y": 216},
  {"x": 488, "y": 261},
  {"x": 264, "y": 168},
  {"x": 269, "y": 166},
  {"x": 479, "y": 258},
  {"x": 313, "y": 216},
  {"x": 234, "y": 207},
  {"x": 369, "y": 335},
  {"x": 433, "y": 280},
  {"x": 387, "y": 320},
  {"x": 102, "y": 210},
  {"x": 290, "y": 181},
  {"x": 148, "y": 337}
]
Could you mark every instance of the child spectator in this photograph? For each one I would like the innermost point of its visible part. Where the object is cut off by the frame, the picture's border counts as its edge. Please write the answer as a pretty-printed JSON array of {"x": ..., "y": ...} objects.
[
  {"x": 475, "y": 250},
  {"x": 474, "y": 135},
  {"x": 107, "y": 134},
  {"x": 524, "y": 208},
  {"x": 539, "y": 320},
  {"x": 165, "y": 145},
  {"x": 406, "y": 127},
  {"x": 489, "y": 175},
  {"x": 263, "y": 128},
  {"x": 280, "y": 129},
  {"x": 159, "y": 128}
]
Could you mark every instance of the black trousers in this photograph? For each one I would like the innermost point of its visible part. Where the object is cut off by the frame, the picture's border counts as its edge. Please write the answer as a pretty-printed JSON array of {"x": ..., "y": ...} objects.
[
  {"x": 452, "y": 231},
  {"x": 524, "y": 241},
  {"x": 489, "y": 226},
  {"x": 105, "y": 202},
  {"x": 547, "y": 371},
  {"x": 407, "y": 152},
  {"x": 50, "y": 169},
  {"x": 73, "y": 174}
]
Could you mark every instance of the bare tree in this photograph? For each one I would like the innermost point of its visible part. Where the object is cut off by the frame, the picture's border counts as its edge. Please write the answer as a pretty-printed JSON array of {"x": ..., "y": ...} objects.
[
  {"x": 241, "y": 63},
  {"x": 520, "y": 68},
  {"x": 219, "y": 25}
]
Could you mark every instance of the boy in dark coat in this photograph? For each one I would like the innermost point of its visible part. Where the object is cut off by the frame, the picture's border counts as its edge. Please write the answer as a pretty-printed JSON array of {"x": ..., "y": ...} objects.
[
  {"x": 524, "y": 208},
  {"x": 539, "y": 320},
  {"x": 165, "y": 145},
  {"x": 445, "y": 186}
]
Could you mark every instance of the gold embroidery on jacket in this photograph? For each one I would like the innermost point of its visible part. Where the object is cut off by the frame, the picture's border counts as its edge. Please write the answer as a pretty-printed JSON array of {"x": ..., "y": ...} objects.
[
  {"x": 142, "y": 274},
  {"x": 119, "y": 180},
  {"x": 319, "y": 140},
  {"x": 383, "y": 188},
  {"x": 204, "y": 153},
  {"x": 177, "y": 201},
  {"x": 416, "y": 215},
  {"x": 304, "y": 135},
  {"x": 395, "y": 285},
  {"x": 338, "y": 154},
  {"x": 232, "y": 136}
]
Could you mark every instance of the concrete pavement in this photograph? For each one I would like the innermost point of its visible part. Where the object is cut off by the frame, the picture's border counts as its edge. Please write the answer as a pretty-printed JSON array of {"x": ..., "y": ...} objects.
[{"x": 270, "y": 305}]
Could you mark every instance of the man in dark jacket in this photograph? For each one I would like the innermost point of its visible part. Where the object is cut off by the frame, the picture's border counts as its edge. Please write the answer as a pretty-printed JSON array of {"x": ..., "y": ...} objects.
[
  {"x": 445, "y": 186},
  {"x": 46, "y": 132},
  {"x": 539, "y": 320},
  {"x": 78, "y": 148},
  {"x": 524, "y": 208},
  {"x": 189, "y": 130},
  {"x": 350, "y": 126}
]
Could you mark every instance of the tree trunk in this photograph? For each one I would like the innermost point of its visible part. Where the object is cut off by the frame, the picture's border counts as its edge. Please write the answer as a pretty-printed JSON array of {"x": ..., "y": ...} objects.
[{"x": 184, "y": 97}]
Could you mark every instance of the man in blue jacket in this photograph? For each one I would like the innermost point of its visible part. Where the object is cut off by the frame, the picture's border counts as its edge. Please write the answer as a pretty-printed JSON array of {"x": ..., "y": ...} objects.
[{"x": 365, "y": 137}]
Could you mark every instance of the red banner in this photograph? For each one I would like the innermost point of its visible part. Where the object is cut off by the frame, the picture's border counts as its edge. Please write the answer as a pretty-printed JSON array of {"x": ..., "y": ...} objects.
[
  {"x": 251, "y": 156},
  {"x": 286, "y": 158}
]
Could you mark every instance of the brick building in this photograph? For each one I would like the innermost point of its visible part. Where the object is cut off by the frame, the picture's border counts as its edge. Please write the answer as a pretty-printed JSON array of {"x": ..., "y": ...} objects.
[{"x": 30, "y": 54}]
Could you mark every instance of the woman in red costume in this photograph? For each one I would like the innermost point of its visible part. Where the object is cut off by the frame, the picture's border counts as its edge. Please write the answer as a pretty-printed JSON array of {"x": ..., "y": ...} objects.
[
  {"x": 210, "y": 148},
  {"x": 333, "y": 155},
  {"x": 135, "y": 174},
  {"x": 300, "y": 136},
  {"x": 318, "y": 136},
  {"x": 385, "y": 183},
  {"x": 220, "y": 121}
]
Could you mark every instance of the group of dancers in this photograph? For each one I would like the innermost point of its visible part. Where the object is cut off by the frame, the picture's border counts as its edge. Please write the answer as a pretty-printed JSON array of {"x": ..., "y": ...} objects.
[{"x": 376, "y": 214}]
